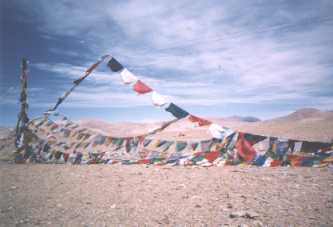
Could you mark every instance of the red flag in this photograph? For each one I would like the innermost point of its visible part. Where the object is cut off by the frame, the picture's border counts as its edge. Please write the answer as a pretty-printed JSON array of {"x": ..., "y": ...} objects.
[
  {"x": 141, "y": 88},
  {"x": 144, "y": 161},
  {"x": 212, "y": 156},
  {"x": 275, "y": 163},
  {"x": 200, "y": 121},
  {"x": 295, "y": 160},
  {"x": 245, "y": 149}
]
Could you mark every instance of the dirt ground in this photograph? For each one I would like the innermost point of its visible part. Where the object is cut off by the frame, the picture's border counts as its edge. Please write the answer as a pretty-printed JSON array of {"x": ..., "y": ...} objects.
[{"x": 138, "y": 195}]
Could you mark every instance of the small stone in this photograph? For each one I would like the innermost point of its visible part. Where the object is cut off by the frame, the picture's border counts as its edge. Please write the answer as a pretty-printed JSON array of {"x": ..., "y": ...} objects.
[
  {"x": 244, "y": 214},
  {"x": 258, "y": 224},
  {"x": 165, "y": 220},
  {"x": 229, "y": 205},
  {"x": 13, "y": 187},
  {"x": 251, "y": 214},
  {"x": 38, "y": 222},
  {"x": 113, "y": 206},
  {"x": 237, "y": 214},
  {"x": 243, "y": 225},
  {"x": 197, "y": 206}
]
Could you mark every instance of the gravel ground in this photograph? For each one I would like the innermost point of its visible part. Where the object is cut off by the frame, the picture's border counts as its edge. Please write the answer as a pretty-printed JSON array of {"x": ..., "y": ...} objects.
[{"x": 138, "y": 195}]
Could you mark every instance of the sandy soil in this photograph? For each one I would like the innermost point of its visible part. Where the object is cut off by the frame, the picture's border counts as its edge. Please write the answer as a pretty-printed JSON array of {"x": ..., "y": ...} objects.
[{"x": 138, "y": 195}]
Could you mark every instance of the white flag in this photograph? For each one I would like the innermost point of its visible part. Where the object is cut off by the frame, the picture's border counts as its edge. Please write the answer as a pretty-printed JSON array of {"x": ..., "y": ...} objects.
[
  {"x": 298, "y": 147},
  {"x": 158, "y": 100},
  {"x": 128, "y": 77},
  {"x": 219, "y": 132},
  {"x": 262, "y": 147}
]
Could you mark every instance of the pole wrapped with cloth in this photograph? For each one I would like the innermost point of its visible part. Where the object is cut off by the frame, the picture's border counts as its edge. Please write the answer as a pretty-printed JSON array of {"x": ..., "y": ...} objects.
[{"x": 23, "y": 119}]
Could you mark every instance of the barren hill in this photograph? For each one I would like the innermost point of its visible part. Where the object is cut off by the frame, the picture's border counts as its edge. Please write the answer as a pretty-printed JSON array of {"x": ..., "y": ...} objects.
[{"x": 304, "y": 124}]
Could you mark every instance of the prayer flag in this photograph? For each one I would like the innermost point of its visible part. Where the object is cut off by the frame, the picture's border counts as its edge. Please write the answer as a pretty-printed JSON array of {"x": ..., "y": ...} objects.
[
  {"x": 219, "y": 132},
  {"x": 141, "y": 88},
  {"x": 114, "y": 65},
  {"x": 211, "y": 156},
  {"x": 244, "y": 148},
  {"x": 176, "y": 111},
  {"x": 128, "y": 77},
  {"x": 158, "y": 100},
  {"x": 180, "y": 146}
]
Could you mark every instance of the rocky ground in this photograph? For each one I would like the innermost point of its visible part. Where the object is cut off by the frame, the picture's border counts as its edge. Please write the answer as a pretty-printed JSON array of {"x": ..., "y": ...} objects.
[{"x": 138, "y": 195}]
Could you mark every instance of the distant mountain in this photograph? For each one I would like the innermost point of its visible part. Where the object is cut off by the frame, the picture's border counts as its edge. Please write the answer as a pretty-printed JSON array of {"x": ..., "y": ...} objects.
[
  {"x": 303, "y": 124},
  {"x": 4, "y": 132},
  {"x": 247, "y": 119},
  {"x": 7, "y": 145},
  {"x": 306, "y": 114},
  {"x": 118, "y": 129}
]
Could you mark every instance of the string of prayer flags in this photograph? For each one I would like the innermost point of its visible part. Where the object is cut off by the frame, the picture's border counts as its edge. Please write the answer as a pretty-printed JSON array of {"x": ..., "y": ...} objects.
[
  {"x": 77, "y": 82},
  {"x": 141, "y": 88},
  {"x": 176, "y": 111},
  {"x": 236, "y": 148},
  {"x": 90, "y": 69},
  {"x": 94, "y": 66},
  {"x": 114, "y": 65}
]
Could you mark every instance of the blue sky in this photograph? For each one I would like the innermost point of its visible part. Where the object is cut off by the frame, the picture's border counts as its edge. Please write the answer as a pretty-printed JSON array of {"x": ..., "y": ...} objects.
[{"x": 213, "y": 58}]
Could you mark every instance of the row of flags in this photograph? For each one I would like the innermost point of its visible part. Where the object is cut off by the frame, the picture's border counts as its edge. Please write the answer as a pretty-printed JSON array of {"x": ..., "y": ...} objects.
[
  {"x": 232, "y": 146},
  {"x": 159, "y": 100},
  {"x": 56, "y": 139},
  {"x": 142, "y": 88}
]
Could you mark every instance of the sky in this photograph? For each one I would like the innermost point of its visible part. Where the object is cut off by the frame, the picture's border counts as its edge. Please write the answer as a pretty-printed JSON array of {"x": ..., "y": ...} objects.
[{"x": 212, "y": 58}]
